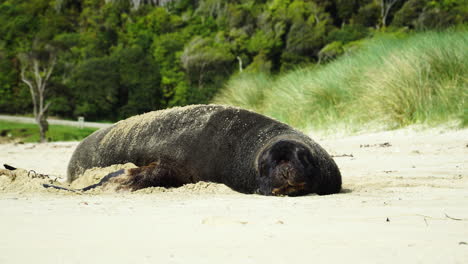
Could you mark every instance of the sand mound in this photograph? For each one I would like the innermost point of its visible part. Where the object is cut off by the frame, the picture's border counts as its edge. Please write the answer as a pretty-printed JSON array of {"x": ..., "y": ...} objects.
[
  {"x": 193, "y": 188},
  {"x": 23, "y": 181},
  {"x": 94, "y": 175}
]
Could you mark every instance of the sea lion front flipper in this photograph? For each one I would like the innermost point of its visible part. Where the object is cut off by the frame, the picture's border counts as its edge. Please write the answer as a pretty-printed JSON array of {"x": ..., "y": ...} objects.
[
  {"x": 156, "y": 174},
  {"x": 161, "y": 173}
]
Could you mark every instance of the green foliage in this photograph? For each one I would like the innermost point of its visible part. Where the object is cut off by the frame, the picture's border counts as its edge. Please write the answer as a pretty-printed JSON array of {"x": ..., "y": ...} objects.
[
  {"x": 166, "y": 51},
  {"x": 203, "y": 55},
  {"x": 390, "y": 81},
  {"x": 158, "y": 21},
  {"x": 113, "y": 53},
  {"x": 331, "y": 51},
  {"x": 346, "y": 9},
  {"x": 127, "y": 81},
  {"x": 60, "y": 106},
  {"x": 304, "y": 40},
  {"x": 424, "y": 14},
  {"x": 348, "y": 33},
  {"x": 96, "y": 84},
  {"x": 212, "y": 8},
  {"x": 260, "y": 64},
  {"x": 265, "y": 41},
  {"x": 139, "y": 82},
  {"x": 207, "y": 62},
  {"x": 12, "y": 97},
  {"x": 368, "y": 15},
  {"x": 249, "y": 90},
  {"x": 29, "y": 132}
]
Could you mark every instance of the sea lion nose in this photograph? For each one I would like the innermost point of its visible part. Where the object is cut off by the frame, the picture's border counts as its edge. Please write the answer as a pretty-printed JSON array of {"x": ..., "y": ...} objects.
[
  {"x": 285, "y": 169},
  {"x": 286, "y": 173},
  {"x": 289, "y": 173}
]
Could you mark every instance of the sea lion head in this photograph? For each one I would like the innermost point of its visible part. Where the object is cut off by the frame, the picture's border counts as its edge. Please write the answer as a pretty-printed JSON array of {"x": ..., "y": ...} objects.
[{"x": 287, "y": 167}]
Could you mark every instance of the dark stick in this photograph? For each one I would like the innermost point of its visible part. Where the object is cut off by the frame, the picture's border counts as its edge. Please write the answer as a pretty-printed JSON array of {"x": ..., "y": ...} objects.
[
  {"x": 102, "y": 181},
  {"x": 58, "y": 187}
]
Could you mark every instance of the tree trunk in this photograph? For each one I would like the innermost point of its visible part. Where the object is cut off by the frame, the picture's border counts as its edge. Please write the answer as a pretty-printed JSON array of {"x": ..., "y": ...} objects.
[
  {"x": 385, "y": 6},
  {"x": 240, "y": 63},
  {"x": 43, "y": 127}
]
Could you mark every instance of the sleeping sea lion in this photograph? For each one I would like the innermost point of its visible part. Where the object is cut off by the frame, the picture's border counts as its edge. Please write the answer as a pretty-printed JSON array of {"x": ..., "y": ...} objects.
[{"x": 246, "y": 151}]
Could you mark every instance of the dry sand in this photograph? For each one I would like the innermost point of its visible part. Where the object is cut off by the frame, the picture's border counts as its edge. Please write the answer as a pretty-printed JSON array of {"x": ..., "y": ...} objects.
[{"x": 405, "y": 200}]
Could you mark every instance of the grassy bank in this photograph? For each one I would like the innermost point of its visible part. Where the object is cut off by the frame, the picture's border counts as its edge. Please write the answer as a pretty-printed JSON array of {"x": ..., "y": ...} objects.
[
  {"x": 389, "y": 82},
  {"x": 11, "y": 131}
]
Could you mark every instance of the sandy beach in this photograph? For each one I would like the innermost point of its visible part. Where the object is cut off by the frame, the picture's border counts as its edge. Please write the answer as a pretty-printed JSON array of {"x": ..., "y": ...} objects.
[{"x": 404, "y": 200}]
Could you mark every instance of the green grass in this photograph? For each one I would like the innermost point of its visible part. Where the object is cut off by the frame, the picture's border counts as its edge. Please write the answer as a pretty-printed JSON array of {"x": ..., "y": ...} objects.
[
  {"x": 30, "y": 132},
  {"x": 389, "y": 82}
]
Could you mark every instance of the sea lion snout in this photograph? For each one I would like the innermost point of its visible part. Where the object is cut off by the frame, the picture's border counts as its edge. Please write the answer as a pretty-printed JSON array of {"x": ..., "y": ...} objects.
[
  {"x": 287, "y": 172},
  {"x": 287, "y": 179}
]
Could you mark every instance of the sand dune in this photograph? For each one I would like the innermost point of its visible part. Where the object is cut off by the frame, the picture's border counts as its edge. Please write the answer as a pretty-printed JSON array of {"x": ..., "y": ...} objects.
[{"x": 405, "y": 199}]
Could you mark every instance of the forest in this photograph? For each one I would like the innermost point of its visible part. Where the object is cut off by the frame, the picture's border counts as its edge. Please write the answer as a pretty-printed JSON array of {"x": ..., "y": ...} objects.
[{"x": 110, "y": 59}]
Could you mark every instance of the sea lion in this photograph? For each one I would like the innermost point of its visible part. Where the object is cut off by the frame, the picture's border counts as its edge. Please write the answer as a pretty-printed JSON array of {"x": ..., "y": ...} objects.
[{"x": 248, "y": 152}]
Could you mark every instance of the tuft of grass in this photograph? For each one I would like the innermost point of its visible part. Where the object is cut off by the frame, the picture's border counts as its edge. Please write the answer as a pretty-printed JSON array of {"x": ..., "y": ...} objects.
[
  {"x": 247, "y": 92},
  {"x": 389, "y": 82},
  {"x": 12, "y": 131}
]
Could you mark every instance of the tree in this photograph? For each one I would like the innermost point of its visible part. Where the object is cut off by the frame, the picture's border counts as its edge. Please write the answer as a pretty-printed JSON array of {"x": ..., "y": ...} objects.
[
  {"x": 37, "y": 66},
  {"x": 202, "y": 58},
  {"x": 95, "y": 84},
  {"x": 13, "y": 99},
  {"x": 136, "y": 4},
  {"x": 117, "y": 86},
  {"x": 139, "y": 82},
  {"x": 386, "y": 5},
  {"x": 423, "y": 14}
]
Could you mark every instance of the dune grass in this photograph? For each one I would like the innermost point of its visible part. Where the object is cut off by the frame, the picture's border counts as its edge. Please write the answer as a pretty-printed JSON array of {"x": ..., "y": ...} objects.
[
  {"x": 389, "y": 82},
  {"x": 30, "y": 132}
]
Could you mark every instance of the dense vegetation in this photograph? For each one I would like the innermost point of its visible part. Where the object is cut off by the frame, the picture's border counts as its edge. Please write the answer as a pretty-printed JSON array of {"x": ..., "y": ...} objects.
[
  {"x": 391, "y": 81},
  {"x": 116, "y": 58}
]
